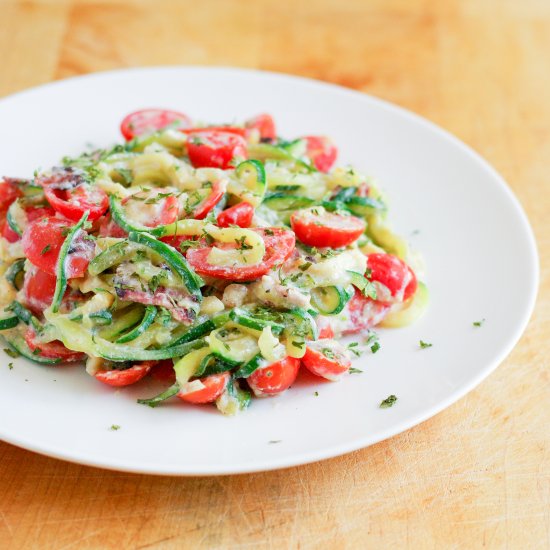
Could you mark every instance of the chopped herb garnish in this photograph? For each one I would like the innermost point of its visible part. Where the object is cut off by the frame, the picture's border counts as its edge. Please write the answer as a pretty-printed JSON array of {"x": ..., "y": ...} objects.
[
  {"x": 478, "y": 323},
  {"x": 375, "y": 347},
  {"x": 353, "y": 370},
  {"x": 305, "y": 266},
  {"x": 10, "y": 366},
  {"x": 425, "y": 345},
  {"x": 47, "y": 248},
  {"x": 354, "y": 348},
  {"x": 328, "y": 353},
  {"x": 316, "y": 394},
  {"x": 11, "y": 353},
  {"x": 269, "y": 232},
  {"x": 114, "y": 427},
  {"x": 388, "y": 402},
  {"x": 242, "y": 244}
]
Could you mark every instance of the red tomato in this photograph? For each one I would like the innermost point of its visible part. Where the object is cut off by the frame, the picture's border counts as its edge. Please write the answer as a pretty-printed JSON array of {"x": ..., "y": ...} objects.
[
  {"x": 279, "y": 244},
  {"x": 264, "y": 124},
  {"x": 108, "y": 228},
  {"x": 38, "y": 288},
  {"x": 211, "y": 148},
  {"x": 213, "y": 388},
  {"x": 126, "y": 377},
  {"x": 9, "y": 192},
  {"x": 274, "y": 378},
  {"x": 325, "y": 331},
  {"x": 42, "y": 240},
  {"x": 147, "y": 121},
  {"x": 151, "y": 208},
  {"x": 71, "y": 195},
  {"x": 321, "y": 151},
  {"x": 164, "y": 371},
  {"x": 241, "y": 214},
  {"x": 33, "y": 213},
  {"x": 230, "y": 129},
  {"x": 51, "y": 350},
  {"x": 315, "y": 227},
  {"x": 326, "y": 358},
  {"x": 394, "y": 274},
  {"x": 213, "y": 198},
  {"x": 364, "y": 313}
]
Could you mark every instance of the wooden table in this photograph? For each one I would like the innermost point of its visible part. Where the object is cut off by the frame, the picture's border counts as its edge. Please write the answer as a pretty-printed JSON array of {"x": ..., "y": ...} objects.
[{"x": 476, "y": 475}]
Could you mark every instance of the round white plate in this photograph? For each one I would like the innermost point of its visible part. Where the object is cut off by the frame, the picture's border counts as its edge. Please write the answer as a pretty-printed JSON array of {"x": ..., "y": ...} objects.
[{"x": 477, "y": 244}]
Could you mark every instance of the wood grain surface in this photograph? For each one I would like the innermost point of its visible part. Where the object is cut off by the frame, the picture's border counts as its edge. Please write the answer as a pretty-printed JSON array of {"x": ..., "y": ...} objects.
[{"x": 476, "y": 475}]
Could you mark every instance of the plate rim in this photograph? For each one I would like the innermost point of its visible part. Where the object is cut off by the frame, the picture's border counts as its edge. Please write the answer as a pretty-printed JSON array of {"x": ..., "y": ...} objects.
[{"x": 336, "y": 450}]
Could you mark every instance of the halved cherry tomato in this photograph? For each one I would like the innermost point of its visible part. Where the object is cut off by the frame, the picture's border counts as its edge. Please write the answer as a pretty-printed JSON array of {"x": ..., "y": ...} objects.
[
  {"x": 213, "y": 198},
  {"x": 38, "y": 288},
  {"x": 394, "y": 274},
  {"x": 9, "y": 192},
  {"x": 274, "y": 378},
  {"x": 42, "y": 240},
  {"x": 71, "y": 195},
  {"x": 164, "y": 371},
  {"x": 147, "y": 121},
  {"x": 321, "y": 151},
  {"x": 211, "y": 148},
  {"x": 126, "y": 377},
  {"x": 326, "y": 358},
  {"x": 364, "y": 313},
  {"x": 241, "y": 214},
  {"x": 32, "y": 213},
  {"x": 240, "y": 131},
  {"x": 213, "y": 388},
  {"x": 51, "y": 350},
  {"x": 279, "y": 244},
  {"x": 264, "y": 124},
  {"x": 316, "y": 227},
  {"x": 109, "y": 228},
  {"x": 151, "y": 207},
  {"x": 325, "y": 331}
]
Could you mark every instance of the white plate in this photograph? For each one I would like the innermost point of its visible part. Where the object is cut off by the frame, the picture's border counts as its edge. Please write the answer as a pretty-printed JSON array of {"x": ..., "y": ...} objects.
[{"x": 476, "y": 240}]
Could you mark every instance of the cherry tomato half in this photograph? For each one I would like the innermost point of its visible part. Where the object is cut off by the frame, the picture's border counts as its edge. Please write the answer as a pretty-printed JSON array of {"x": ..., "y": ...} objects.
[
  {"x": 71, "y": 195},
  {"x": 364, "y": 313},
  {"x": 215, "y": 149},
  {"x": 214, "y": 197},
  {"x": 264, "y": 124},
  {"x": 38, "y": 288},
  {"x": 326, "y": 358},
  {"x": 42, "y": 241},
  {"x": 316, "y": 227},
  {"x": 109, "y": 228},
  {"x": 239, "y": 130},
  {"x": 147, "y": 121},
  {"x": 321, "y": 151},
  {"x": 241, "y": 214},
  {"x": 9, "y": 192},
  {"x": 126, "y": 377},
  {"x": 213, "y": 388},
  {"x": 279, "y": 244},
  {"x": 394, "y": 274},
  {"x": 51, "y": 350},
  {"x": 32, "y": 213},
  {"x": 151, "y": 207},
  {"x": 274, "y": 378}
]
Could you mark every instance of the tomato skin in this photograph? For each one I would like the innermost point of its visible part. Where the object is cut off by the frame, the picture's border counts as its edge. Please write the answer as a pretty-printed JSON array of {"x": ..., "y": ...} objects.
[
  {"x": 214, "y": 386},
  {"x": 321, "y": 365},
  {"x": 9, "y": 192},
  {"x": 327, "y": 229},
  {"x": 164, "y": 371},
  {"x": 394, "y": 274},
  {"x": 264, "y": 124},
  {"x": 216, "y": 195},
  {"x": 364, "y": 313},
  {"x": 240, "y": 214},
  {"x": 33, "y": 213},
  {"x": 215, "y": 149},
  {"x": 326, "y": 332},
  {"x": 278, "y": 245},
  {"x": 274, "y": 378},
  {"x": 38, "y": 288},
  {"x": 238, "y": 130},
  {"x": 321, "y": 151},
  {"x": 69, "y": 193},
  {"x": 109, "y": 228},
  {"x": 146, "y": 121},
  {"x": 42, "y": 241},
  {"x": 52, "y": 350},
  {"x": 126, "y": 377}
]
